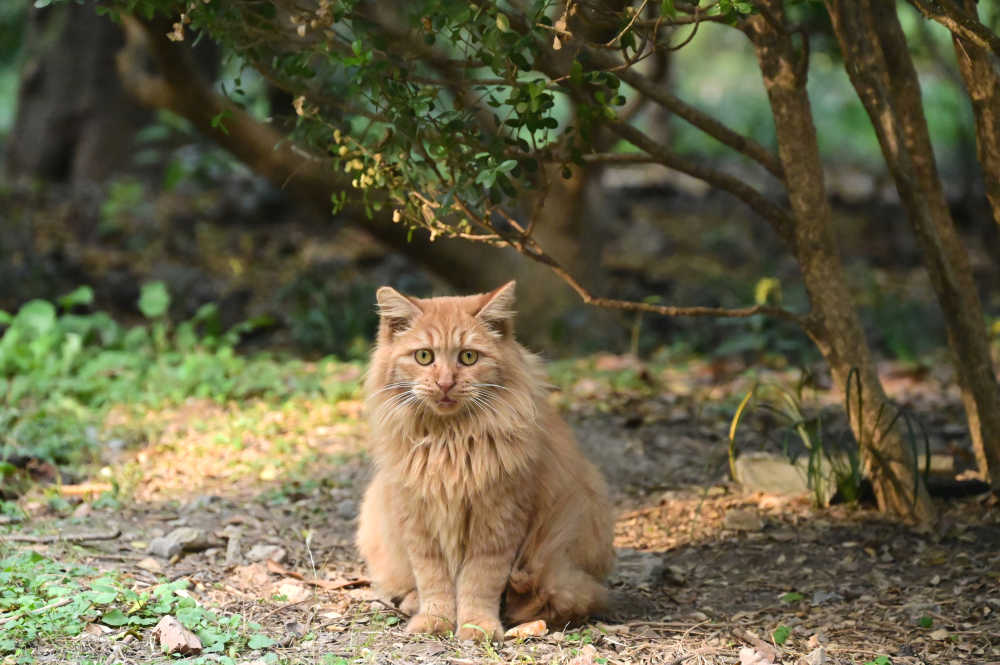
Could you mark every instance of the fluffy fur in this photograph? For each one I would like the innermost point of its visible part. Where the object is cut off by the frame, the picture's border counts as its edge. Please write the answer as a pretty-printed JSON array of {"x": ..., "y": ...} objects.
[{"x": 481, "y": 497}]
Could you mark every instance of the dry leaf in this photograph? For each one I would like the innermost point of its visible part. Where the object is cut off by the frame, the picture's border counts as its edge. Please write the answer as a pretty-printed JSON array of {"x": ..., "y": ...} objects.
[
  {"x": 295, "y": 592},
  {"x": 175, "y": 638},
  {"x": 587, "y": 655},
  {"x": 815, "y": 657},
  {"x": 529, "y": 629},
  {"x": 750, "y": 656}
]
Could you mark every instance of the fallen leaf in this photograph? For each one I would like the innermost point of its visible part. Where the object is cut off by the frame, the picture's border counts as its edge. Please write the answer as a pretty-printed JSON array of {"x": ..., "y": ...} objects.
[
  {"x": 815, "y": 657},
  {"x": 939, "y": 634},
  {"x": 586, "y": 657},
  {"x": 295, "y": 592},
  {"x": 275, "y": 567},
  {"x": 97, "y": 629},
  {"x": 150, "y": 564},
  {"x": 175, "y": 638},
  {"x": 529, "y": 629},
  {"x": 749, "y": 656}
]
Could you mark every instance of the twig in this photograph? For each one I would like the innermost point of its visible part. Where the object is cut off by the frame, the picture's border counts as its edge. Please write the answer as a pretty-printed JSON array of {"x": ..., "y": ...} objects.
[
  {"x": 51, "y": 606},
  {"x": 59, "y": 537}
]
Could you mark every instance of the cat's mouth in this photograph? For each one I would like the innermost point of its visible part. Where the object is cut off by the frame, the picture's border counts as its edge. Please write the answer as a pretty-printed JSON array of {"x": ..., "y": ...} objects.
[{"x": 446, "y": 404}]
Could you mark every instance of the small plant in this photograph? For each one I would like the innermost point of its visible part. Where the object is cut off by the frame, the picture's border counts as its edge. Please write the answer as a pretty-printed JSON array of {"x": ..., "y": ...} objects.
[
  {"x": 880, "y": 660},
  {"x": 832, "y": 467},
  {"x": 41, "y": 598}
]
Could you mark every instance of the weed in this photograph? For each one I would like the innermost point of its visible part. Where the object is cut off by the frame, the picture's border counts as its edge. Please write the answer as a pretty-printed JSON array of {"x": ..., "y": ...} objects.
[
  {"x": 43, "y": 599},
  {"x": 829, "y": 460}
]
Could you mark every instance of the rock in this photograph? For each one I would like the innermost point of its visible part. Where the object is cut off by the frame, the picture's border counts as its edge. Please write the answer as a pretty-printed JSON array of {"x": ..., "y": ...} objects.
[
  {"x": 182, "y": 539},
  {"x": 175, "y": 638},
  {"x": 775, "y": 474},
  {"x": 347, "y": 509},
  {"x": 743, "y": 519},
  {"x": 233, "y": 534},
  {"x": 529, "y": 629},
  {"x": 261, "y": 552}
]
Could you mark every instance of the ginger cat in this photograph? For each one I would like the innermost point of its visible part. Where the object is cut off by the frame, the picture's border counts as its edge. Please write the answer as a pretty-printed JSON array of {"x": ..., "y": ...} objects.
[{"x": 481, "y": 498}]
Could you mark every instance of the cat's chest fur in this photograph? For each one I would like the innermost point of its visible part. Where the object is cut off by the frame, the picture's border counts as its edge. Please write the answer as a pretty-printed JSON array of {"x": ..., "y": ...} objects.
[{"x": 467, "y": 487}]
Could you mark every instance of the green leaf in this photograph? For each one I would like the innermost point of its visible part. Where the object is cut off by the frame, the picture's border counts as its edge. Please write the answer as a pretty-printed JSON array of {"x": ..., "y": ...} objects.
[
  {"x": 82, "y": 295},
  {"x": 503, "y": 23},
  {"x": 115, "y": 618},
  {"x": 925, "y": 622},
  {"x": 154, "y": 300},
  {"x": 780, "y": 634},
  {"x": 791, "y": 597},
  {"x": 667, "y": 9},
  {"x": 38, "y": 317},
  {"x": 507, "y": 166},
  {"x": 259, "y": 641}
]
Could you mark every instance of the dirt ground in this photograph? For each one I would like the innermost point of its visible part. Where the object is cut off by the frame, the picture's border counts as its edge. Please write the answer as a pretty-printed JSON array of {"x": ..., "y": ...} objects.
[{"x": 706, "y": 573}]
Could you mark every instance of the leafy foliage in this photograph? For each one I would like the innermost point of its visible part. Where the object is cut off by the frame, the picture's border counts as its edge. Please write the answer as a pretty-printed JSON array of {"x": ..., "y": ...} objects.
[
  {"x": 44, "y": 599},
  {"x": 60, "y": 370}
]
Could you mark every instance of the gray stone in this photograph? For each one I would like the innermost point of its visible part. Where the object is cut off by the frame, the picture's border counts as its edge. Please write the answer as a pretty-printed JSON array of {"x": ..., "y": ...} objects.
[
  {"x": 347, "y": 509},
  {"x": 183, "y": 539},
  {"x": 776, "y": 474},
  {"x": 262, "y": 552}
]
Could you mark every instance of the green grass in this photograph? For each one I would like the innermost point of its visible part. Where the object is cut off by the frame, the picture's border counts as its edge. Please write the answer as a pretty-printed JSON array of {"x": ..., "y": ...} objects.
[{"x": 60, "y": 372}]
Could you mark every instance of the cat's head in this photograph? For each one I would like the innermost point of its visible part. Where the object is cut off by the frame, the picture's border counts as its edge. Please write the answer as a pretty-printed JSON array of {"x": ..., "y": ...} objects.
[{"x": 444, "y": 355}]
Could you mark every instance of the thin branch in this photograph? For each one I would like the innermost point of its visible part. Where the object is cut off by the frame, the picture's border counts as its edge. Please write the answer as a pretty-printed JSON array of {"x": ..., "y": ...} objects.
[
  {"x": 662, "y": 95},
  {"x": 66, "y": 600},
  {"x": 60, "y": 537},
  {"x": 962, "y": 24},
  {"x": 772, "y": 212}
]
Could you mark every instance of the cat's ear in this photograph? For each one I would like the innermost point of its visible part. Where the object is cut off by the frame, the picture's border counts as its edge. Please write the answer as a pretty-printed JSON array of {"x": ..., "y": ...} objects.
[
  {"x": 395, "y": 310},
  {"x": 496, "y": 310}
]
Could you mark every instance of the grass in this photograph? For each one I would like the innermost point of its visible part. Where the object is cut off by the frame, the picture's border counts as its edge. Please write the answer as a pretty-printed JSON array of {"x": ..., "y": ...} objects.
[{"x": 62, "y": 371}]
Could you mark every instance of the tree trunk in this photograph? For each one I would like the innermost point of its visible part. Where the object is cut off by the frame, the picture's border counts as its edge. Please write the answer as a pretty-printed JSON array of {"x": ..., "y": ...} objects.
[
  {"x": 74, "y": 121},
  {"x": 879, "y": 65},
  {"x": 981, "y": 73},
  {"x": 834, "y": 324},
  {"x": 177, "y": 85}
]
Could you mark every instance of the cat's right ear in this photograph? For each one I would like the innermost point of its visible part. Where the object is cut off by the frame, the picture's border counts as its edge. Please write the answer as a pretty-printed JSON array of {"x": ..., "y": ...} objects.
[{"x": 395, "y": 310}]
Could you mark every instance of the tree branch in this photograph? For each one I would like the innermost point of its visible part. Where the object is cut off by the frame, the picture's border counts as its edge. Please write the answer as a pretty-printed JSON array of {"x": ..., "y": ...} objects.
[
  {"x": 960, "y": 23},
  {"x": 661, "y": 95}
]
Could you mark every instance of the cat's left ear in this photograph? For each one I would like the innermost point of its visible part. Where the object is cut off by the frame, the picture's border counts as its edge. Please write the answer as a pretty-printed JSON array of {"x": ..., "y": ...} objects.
[{"x": 497, "y": 310}]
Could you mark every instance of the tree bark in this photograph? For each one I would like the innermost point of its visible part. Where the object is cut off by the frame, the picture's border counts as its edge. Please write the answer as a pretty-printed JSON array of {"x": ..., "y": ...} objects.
[
  {"x": 177, "y": 85},
  {"x": 981, "y": 74},
  {"x": 834, "y": 324},
  {"x": 74, "y": 121},
  {"x": 882, "y": 72}
]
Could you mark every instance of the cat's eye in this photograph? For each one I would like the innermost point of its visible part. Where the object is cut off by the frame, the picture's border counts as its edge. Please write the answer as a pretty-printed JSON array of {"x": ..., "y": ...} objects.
[
  {"x": 423, "y": 356},
  {"x": 468, "y": 357}
]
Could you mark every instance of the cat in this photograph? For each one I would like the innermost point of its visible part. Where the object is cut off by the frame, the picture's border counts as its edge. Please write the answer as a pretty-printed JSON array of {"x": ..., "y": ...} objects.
[{"x": 481, "y": 496}]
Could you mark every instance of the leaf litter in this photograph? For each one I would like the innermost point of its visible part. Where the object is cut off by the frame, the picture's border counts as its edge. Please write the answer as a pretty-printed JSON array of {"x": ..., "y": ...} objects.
[{"x": 707, "y": 573}]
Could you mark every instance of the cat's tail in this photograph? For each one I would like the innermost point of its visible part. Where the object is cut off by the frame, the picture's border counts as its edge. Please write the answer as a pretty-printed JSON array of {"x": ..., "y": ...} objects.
[{"x": 566, "y": 595}]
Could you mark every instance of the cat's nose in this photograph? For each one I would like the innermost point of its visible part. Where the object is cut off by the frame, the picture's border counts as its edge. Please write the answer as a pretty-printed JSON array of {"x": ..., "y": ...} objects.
[{"x": 445, "y": 386}]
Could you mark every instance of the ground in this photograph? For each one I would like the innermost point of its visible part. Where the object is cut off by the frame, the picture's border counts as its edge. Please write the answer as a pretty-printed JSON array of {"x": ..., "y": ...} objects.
[{"x": 708, "y": 573}]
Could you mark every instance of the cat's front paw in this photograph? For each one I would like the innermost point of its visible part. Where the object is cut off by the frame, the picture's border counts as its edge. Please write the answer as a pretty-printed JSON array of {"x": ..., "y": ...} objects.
[
  {"x": 480, "y": 628},
  {"x": 432, "y": 624}
]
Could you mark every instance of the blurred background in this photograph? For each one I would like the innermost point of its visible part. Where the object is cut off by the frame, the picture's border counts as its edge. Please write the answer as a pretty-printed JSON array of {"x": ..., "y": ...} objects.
[{"x": 97, "y": 190}]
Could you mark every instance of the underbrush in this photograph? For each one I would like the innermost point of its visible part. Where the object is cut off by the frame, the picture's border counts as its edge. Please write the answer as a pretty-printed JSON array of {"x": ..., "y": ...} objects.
[
  {"x": 61, "y": 370},
  {"x": 45, "y": 601}
]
